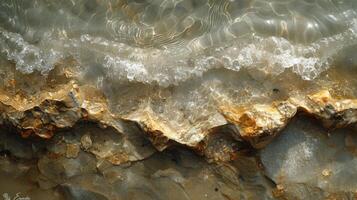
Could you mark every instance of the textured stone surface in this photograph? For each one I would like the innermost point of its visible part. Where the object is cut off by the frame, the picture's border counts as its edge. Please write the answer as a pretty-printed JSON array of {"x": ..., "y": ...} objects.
[
  {"x": 186, "y": 99},
  {"x": 308, "y": 162},
  {"x": 173, "y": 174}
]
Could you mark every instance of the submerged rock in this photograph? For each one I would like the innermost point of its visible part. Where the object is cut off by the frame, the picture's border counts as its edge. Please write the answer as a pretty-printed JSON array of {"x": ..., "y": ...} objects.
[
  {"x": 307, "y": 161},
  {"x": 187, "y": 99}
]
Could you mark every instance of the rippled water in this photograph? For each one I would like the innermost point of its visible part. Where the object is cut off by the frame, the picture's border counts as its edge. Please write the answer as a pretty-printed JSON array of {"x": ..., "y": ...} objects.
[
  {"x": 166, "y": 42},
  {"x": 177, "y": 68}
]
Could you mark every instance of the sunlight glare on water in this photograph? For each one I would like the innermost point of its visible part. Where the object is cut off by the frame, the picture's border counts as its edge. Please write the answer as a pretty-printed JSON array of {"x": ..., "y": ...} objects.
[{"x": 166, "y": 42}]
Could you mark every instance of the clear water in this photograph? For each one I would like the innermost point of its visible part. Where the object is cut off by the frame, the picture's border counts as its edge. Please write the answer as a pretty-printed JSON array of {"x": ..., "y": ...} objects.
[{"x": 167, "y": 42}]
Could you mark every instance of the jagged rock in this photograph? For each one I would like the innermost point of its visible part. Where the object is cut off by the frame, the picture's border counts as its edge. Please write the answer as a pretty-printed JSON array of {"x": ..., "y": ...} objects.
[
  {"x": 99, "y": 99},
  {"x": 171, "y": 174},
  {"x": 257, "y": 124}
]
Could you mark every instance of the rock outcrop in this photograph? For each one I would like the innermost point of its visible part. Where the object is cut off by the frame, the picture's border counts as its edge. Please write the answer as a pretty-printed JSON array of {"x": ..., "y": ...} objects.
[{"x": 185, "y": 99}]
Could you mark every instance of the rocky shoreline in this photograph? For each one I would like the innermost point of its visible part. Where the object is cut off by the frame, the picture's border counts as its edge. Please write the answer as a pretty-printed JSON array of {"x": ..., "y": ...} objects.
[{"x": 70, "y": 133}]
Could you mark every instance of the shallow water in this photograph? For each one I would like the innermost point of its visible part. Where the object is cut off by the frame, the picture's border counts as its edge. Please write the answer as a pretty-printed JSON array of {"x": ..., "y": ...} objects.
[{"x": 166, "y": 42}]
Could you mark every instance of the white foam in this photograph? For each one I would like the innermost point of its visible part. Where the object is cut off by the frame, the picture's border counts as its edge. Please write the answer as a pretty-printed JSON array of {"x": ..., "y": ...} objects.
[
  {"x": 27, "y": 57},
  {"x": 174, "y": 63}
]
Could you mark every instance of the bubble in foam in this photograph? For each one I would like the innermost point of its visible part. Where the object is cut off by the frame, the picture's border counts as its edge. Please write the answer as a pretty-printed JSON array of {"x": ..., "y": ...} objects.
[
  {"x": 27, "y": 57},
  {"x": 183, "y": 44}
]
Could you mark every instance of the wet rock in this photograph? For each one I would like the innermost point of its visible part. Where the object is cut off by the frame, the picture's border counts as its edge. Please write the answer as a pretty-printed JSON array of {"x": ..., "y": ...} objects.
[
  {"x": 72, "y": 150},
  {"x": 9, "y": 142},
  {"x": 74, "y": 192},
  {"x": 308, "y": 161},
  {"x": 258, "y": 124},
  {"x": 58, "y": 168},
  {"x": 104, "y": 100},
  {"x": 86, "y": 142}
]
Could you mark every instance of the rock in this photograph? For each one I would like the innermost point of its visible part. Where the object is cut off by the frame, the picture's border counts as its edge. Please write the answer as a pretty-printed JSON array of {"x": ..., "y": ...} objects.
[
  {"x": 305, "y": 157},
  {"x": 74, "y": 192},
  {"x": 103, "y": 100},
  {"x": 86, "y": 142},
  {"x": 72, "y": 150}
]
